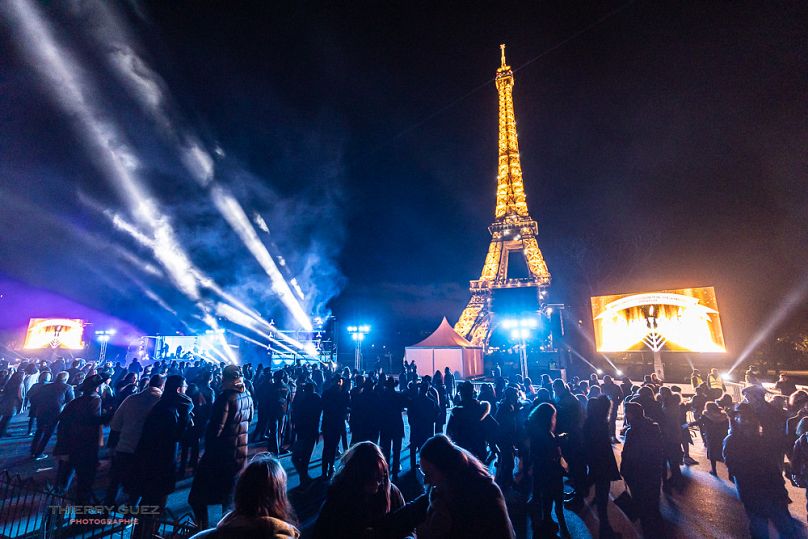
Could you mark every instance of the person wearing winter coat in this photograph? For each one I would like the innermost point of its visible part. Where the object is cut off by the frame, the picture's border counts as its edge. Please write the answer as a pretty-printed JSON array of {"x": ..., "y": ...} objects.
[
  {"x": 471, "y": 425},
  {"x": 125, "y": 430},
  {"x": 757, "y": 478},
  {"x": 262, "y": 509},
  {"x": 641, "y": 466},
  {"x": 599, "y": 457},
  {"x": 225, "y": 446},
  {"x": 156, "y": 452},
  {"x": 714, "y": 425},
  {"x": 78, "y": 438}
]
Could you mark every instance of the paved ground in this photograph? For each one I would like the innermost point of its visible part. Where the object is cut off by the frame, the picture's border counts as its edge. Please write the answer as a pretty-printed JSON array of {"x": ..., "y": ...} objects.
[{"x": 707, "y": 507}]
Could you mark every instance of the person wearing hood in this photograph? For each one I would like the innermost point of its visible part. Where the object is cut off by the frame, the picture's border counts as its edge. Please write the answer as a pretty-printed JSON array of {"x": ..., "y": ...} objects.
[
  {"x": 714, "y": 425},
  {"x": 156, "y": 452},
  {"x": 78, "y": 438},
  {"x": 225, "y": 446},
  {"x": 124, "y": 434},
  {"x": 262, "y": 509},
  {"x": 471, "y": 424},
  {"x": 641, "y": 466}
]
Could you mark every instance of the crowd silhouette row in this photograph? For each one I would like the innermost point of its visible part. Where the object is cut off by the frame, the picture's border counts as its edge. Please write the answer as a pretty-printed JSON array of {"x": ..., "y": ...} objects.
[{"x": 552, "y": 441}]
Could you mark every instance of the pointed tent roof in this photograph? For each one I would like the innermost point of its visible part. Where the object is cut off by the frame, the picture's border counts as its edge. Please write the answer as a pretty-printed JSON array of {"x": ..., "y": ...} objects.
[{"x": 443, "y": 337}]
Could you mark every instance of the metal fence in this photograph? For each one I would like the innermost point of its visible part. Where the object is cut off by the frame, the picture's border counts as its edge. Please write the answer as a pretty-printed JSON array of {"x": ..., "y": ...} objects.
[{"x": 29, "y": 510}]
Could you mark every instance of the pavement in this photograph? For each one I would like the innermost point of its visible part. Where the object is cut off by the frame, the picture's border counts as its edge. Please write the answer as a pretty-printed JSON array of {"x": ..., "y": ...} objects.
[{"x": 707, "y": 506}]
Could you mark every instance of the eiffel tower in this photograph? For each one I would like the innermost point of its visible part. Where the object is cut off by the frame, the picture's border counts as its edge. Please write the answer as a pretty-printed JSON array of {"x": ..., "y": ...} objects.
[{"x": 512, "y": 230}]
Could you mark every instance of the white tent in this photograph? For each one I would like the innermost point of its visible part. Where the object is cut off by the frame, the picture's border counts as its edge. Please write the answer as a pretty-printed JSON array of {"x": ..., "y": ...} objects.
[{"x": 446, "y": 348}]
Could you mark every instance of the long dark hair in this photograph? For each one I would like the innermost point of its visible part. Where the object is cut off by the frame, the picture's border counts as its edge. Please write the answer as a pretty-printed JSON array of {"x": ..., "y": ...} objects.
[
  {"x": 261, "y": 490},
  {"x": 456, "y": 463},
  {"x": 360, "y": 465}
]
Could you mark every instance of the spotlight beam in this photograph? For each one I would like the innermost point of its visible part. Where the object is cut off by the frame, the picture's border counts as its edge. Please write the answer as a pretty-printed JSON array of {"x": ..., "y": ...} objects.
[
  {"x": 62, "y": 75},
  {"x": 150, "y": 91}
]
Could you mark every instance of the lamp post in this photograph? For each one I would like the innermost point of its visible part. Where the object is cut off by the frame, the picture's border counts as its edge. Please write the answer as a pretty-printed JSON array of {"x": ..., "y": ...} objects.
[
  {"x": 103, "y": 337},
  {"x": 358, "y": 335}
]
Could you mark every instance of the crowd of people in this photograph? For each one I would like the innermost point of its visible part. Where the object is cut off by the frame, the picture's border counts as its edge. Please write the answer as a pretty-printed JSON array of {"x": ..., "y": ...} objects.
[{"x": 553, "y": 441}]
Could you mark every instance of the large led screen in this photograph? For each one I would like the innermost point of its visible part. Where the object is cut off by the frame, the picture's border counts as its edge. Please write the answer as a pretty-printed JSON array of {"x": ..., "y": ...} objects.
[
  {"x": 65, "y": 333},
  {"x": 684, "y": 320}
]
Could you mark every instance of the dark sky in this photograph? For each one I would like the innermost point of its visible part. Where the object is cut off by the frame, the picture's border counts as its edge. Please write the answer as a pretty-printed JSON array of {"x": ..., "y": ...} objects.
[{"x": 663, "y": 145}]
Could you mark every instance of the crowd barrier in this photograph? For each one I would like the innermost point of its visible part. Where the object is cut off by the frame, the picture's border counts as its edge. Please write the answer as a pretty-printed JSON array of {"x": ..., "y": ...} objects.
[{"x": 29, "y": 510}]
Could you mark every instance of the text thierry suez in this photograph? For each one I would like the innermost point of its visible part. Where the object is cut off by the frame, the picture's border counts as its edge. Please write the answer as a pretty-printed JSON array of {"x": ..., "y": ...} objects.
[{"x": 149, "y": 510}]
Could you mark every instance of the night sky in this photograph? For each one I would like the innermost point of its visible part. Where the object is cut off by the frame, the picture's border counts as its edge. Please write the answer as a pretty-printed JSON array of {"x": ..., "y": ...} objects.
[{"x": 663, "y": 145}]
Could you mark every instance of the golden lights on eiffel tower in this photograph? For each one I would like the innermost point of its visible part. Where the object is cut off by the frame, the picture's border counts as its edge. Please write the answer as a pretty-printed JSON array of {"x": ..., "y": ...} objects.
[{"x": 513, "y": 230}]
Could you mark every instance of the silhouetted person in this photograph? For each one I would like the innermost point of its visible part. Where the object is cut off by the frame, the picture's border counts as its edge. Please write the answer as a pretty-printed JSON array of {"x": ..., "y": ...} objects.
[
  {"x": 569, "y": 421},
  {"x": 641, "y": 466},
  {"x": 11, "y": 399},
  {"x": 126, "y": 428},
  {"x": 365, "y": 413},
  {"x": 422, "y": 412},
  {"x": 758, "y": 480},
  {"x": 156, "y": 452},
  {"x": 547, "y": 471},
  {"x": 49, "y": 402},
  {"x": 335, "y": 412},
  {"x": 78, "y": 438},
  {"x": 471, "y": 424},
  {"x": 714, "y": 425},
  {"x": 449, "y": 382},
  {"x": 278, "y": 395},
  {"x": 509, "y": 435},
  {"x": 306, "y": 410},
  {"x": 599, "y": 457},
  {"x": 391, "y": 404}
]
